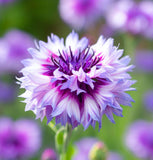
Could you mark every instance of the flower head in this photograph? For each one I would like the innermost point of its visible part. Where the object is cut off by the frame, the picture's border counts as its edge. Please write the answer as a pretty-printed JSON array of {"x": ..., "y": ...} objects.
[
  {"x": 136, "y": 18},
  {"x": 82, "y": 14},
  {"x": 74, "y": 82},
  {"x": 139, "y": 139},
  {"x": 13, "y": 48},
  {"x": 18, "y": 140}
]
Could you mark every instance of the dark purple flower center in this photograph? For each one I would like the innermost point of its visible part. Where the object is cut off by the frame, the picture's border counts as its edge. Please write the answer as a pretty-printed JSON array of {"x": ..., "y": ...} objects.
[
  {"x": 79, "y": 64},
  {"x": 12, "y": 140},
  {"x": 147, "y": 140},
  {"x": 66, "y": 63}
]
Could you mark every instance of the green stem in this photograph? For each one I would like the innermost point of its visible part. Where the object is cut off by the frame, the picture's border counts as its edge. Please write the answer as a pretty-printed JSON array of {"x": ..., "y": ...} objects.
[
  {"x": 62, "y": 157},
  {"x": 67, "y": 135}
]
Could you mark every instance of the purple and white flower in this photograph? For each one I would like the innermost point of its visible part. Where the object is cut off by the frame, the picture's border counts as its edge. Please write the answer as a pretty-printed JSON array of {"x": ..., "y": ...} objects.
[
  {"x": 76, "y": 83},
  {"x": 20, "y": 139},
  {"x": 139, "y": 139},
  {"x": 13, "y": 49},
  {"x": 82, "y": 14},
  {"x": 129, "y": 16}
]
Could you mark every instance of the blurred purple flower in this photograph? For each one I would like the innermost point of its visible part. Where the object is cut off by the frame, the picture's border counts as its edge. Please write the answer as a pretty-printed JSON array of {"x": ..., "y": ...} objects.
[
  {"x": 76, "y": 83},
  {"x": 49, "y": 154},
  {"x": 114, "y": 156},
  {"x": 139, "y": 139},
  {"x": 20, "y": 139},
  {"x": 5, "y": 1},
  {"x": 144, "y": 61},
  {"x": 127, "y": 15},
  {"x": 81, "y": 14},
  {"x": 7, "y": 93},
  {"x": 13, "y": 48},
  {"x": 83, "y": 148},
  {"x": 148, "y": 100}
]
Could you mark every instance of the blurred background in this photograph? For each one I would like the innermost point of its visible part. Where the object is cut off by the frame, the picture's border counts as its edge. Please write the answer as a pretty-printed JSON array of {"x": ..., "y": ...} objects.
[{"x": 129, "y": 23}]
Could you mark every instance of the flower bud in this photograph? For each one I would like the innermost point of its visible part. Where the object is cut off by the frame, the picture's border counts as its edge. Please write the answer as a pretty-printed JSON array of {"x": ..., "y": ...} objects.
[{"x": 98, "y": 152}]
